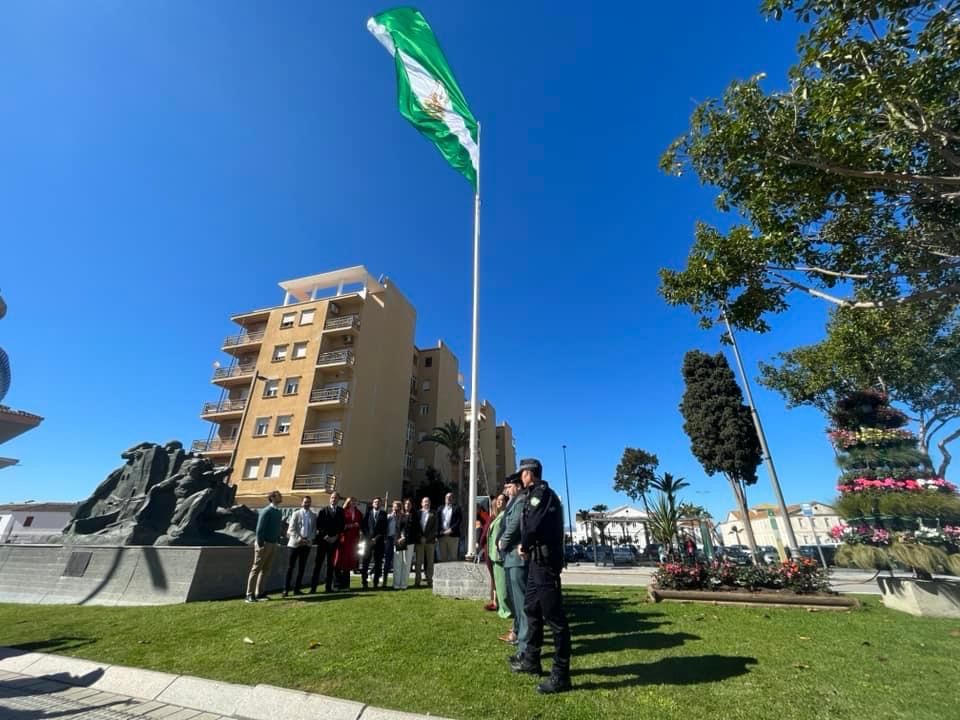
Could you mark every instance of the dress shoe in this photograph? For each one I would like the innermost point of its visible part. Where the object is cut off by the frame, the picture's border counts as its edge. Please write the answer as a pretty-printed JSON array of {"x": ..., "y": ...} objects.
[
  {"x": 285, "y": 594},
  {"x": 250, "y": 598},
  {"x": 554, "y": 684},
  {"x": 510, "y": 637},
  {"x": 298, "y": 592},
  {"x": 491, "y": 607},
  {"x": 523, "y": 665}
]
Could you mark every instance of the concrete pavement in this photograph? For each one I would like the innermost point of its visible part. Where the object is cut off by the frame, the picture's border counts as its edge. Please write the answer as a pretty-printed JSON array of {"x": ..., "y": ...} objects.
[{"x": 41, "y": 685}]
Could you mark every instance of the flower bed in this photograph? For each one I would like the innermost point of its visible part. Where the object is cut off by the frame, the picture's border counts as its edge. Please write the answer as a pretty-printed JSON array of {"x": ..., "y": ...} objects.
[
  {"x": 892, "y": 484},
  {"x": 802, "y": 576}
]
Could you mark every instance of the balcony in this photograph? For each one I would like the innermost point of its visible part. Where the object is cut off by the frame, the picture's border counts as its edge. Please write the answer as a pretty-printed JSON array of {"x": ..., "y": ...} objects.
[
  {"x": 330, "y": 396},
  {"x": 243, "y": 340},
  {"x": 217, "y": 446},
  {"x": 343, "y": 358},
  {"x": 223, "y": 408},
  {"x": 331, "y": 437},
  {"x": 343, "y": 323},
  {"x": 327, "y": 483},
  {"x": 235, "y": 375}
]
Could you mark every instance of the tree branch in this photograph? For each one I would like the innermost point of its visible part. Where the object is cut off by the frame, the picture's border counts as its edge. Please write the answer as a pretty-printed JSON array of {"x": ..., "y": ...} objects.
[
  {"x": 821, "y": 271},
  {"x": 874, "y": 174},
  {"x": 947, "y": 290},
  {"x": 947, "y": 457}
]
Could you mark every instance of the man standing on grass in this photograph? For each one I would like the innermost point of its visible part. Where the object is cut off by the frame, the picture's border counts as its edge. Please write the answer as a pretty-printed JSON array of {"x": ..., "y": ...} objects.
[
  {"x": 269, "y": 527},
  {"x": 451, "y": 520},
  {"x": 329, "y": 527},
  {"x": 374, "y": 529},
  {"x": 425, "y": 533},
  {"x": 541, "y": 540},
  {"x": 302, "y": 530},
  {"x": 515, "y": 566}
]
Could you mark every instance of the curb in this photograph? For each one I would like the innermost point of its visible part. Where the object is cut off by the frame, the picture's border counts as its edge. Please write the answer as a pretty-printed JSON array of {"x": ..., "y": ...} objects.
[{"x": 252, "y": 702}]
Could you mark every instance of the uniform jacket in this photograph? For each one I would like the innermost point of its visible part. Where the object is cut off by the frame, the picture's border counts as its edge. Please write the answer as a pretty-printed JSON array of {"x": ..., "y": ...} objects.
[
  {"x": 509, "y": 539},
  {"x": 541, "y": 525}
]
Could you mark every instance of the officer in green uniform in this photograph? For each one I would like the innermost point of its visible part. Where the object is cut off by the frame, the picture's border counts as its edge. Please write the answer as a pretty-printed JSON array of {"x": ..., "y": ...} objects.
[{"x": 541, "y": 540}]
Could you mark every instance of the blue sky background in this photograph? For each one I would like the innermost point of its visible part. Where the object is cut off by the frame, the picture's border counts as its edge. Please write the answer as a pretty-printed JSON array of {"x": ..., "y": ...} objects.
[{"x": 164, "y": 165}]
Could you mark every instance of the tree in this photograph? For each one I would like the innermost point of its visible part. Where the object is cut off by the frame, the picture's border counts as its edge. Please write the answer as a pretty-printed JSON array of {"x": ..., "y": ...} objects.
[
  {"x": 669, "y": 487},
  {"x": 689, "y": 510},
  {"x": 847, "y": 182},
  {"x": 454, "y": 437},
  {"x": 911, "y": 352},
  {"x": 720, "y": 427},
  {"x": 432, "y": 487},
  {"x": 664, "y": 521},
  {"x": 635, "y": 473},
  {"x": 599, "y": 521}
]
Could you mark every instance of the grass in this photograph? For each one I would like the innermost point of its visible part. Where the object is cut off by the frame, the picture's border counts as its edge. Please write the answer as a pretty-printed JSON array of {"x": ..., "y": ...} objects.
[{"x": 414, "y": 652}]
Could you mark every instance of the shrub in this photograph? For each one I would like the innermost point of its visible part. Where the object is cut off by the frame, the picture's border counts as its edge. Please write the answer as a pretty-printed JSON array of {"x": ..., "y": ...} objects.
[{"x": 800, "y": 576}]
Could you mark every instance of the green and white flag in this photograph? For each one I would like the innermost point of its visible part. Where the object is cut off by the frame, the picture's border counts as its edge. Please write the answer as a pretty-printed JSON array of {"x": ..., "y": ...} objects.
[{"x": 427, "y": 93}]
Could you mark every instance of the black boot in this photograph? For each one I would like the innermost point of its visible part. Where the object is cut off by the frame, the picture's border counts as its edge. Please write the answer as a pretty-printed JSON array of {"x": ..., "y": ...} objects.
[
  {"x": 557, "y": 682},
  {"x": 526, "y": 665}
]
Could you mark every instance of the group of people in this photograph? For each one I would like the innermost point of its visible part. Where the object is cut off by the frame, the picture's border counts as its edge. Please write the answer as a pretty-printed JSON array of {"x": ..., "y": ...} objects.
[
  {"x": 522, "y": 538},
  {"x": 398, "y": 542}
]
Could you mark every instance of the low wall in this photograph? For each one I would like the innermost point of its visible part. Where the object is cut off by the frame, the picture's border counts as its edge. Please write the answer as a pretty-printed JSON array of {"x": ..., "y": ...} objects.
[
  {"x": 127, "y": 575},
  {"x": 925, "y": 598}
]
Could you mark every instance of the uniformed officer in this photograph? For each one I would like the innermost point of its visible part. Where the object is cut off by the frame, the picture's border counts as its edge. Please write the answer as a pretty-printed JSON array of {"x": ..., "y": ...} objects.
[{"x": 541, "y": 540}]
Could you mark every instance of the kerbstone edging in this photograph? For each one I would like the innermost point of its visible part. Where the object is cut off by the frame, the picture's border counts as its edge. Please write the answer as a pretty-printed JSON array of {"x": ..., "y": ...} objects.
[
  {"x": 15, "y": 661},
  {"x": 267, "y": 702},
  {"x": 209, "y": 695},
  {"x": 143, "y": 684}
]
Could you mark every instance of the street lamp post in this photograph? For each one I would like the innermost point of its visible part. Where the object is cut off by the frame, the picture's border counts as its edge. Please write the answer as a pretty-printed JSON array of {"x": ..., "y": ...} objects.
[{"x": 566, "y": 480}]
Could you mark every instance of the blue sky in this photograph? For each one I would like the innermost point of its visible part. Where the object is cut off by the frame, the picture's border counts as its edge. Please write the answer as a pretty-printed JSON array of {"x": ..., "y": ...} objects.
[{"x": 166, "y": 164}]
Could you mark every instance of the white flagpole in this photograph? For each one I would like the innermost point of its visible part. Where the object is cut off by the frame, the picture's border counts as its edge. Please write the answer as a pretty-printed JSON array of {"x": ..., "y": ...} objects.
[{"x": 474, "y": 410}]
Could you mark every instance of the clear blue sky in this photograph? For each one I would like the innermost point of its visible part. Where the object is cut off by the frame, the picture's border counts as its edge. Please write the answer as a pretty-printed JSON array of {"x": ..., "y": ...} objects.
[{"x": 163, "y": 165}]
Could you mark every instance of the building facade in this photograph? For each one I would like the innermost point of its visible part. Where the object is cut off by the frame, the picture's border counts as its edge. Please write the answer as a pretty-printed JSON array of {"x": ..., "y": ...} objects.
[
  {"x": 808, "y": 530},
  {"x": 506, "y": 453},
  {"x": 316, "y": 394},
  {"x": 33, "y": 522},
  {"x": 623, "y": 524}
]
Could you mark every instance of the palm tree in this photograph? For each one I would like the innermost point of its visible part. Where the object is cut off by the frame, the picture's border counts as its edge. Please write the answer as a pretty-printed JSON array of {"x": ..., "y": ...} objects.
[
  {"x": 664, "y": 521},
  {"x": 454, "y": 437},
  {"x": 669, "y": 486},
  {"x": 600, "y": 522}
]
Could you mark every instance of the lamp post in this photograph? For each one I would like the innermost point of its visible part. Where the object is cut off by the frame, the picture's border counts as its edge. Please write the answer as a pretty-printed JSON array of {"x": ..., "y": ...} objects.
[{"x": 566, "y": 480}]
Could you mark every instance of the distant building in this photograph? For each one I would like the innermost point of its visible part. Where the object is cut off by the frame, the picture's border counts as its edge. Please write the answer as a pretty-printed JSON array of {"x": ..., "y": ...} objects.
[
  {"x": 506, "y": 453},
  {"x": 623, "y": 524},
  {"x": 824, "y": 517},
  {"x": 33, "y": 522}
]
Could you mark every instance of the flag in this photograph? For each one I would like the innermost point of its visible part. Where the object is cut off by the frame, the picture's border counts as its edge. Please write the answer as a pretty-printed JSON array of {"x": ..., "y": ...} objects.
[{"x": 427, "y": 93}]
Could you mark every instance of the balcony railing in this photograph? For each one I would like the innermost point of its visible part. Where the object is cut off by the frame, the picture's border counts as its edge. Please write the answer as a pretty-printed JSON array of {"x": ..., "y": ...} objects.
[
  {"x": 242, "y": 339},
  {"x": 224, "y": 406},
  {"x": 212, "y": 446},
  {"x": 327, "y": 483},
  {"x": 338, "y": 394},
  {"x": 235, "y": 371},
  {"x": 337, "y": 357},
  {"x": 332, "y": 436},
  {"x": 346, "y": 322}
]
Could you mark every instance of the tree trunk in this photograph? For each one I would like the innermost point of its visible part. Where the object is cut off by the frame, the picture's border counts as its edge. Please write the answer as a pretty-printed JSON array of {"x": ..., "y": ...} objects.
[
  {"x": 741, "y": 496},
  {"x": 947, "y": 457}
]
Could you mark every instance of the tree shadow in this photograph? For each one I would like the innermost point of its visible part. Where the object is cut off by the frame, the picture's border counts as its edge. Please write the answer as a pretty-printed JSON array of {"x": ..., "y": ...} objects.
[
  {"x": 640, "y": 640},
  {"x": 56, "y": 644},
  {"x": 693, "y": 670},
  {"x": 611, "y": 624},
  {"x": 46, "y": 684}
]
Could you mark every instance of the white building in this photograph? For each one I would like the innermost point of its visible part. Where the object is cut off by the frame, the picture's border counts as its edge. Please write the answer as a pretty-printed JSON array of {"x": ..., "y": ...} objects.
[
  {"x": 620, "y": 524},
  {"x": 824, "y": 517},
  {"x": 33, "y": 522}
]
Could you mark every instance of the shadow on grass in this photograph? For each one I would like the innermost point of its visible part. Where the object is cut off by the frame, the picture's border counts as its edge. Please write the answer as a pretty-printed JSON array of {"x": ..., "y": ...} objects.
[
  {"x": 52, "y": 645},
  {"x": 694, "y": 670},
  {"x": 621, "y": 624}
]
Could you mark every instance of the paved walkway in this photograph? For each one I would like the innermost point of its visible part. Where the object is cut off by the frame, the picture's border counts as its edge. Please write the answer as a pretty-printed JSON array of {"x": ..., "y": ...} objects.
[{"x": 37, "y": 686}]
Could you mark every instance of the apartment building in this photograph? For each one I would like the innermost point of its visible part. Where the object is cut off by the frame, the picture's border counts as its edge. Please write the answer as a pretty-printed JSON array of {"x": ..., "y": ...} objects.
[
  {"x": 316, "y": 394},
  {"x": 486, "y": 446},
  {"x": 506, "y": 453},
  {"x": 808, "y": 529},
  {"x": 436, "y": 397}
]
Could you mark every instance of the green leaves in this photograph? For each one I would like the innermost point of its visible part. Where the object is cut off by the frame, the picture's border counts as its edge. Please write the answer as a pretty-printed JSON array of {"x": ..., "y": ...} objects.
[{"x": 635, "y": 473}]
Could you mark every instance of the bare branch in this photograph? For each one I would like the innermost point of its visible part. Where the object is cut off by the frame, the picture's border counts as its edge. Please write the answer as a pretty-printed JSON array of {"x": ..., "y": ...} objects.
[
  {"x": 945, "y": 291},
  {"x": 947, "y": 457},
  {"x": 876, "y": 174},
  {"x": 821, "y": 271}
]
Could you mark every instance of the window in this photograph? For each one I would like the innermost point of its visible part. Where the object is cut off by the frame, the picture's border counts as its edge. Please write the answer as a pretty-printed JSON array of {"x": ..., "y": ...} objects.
[
  {"x": 28, "y": 521},
  {"x": 292, "y": 386},
  {"x": 283, "y": 425},
  {"x": 425, "y": 385},
  {"x": 299, "y": 350},
  {"x": 270, "y": 388},
  {"x": 421, "y": 463},
  {"x": 279, "y": 353},
  {"x": 273, "y": 468},
  {"x": 288, "y": 319},
  {"x": 306, "y": 317},
  {"x": 428, "y": 362},
  {"x": 261, "y": 427},
  {"x": 424, "y": 410},
  {"x": 251, "y": 469}
]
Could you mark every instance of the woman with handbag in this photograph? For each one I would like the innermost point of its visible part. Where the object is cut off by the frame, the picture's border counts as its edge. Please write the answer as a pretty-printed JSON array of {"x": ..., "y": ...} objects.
[{"x": 403, "y": 544}]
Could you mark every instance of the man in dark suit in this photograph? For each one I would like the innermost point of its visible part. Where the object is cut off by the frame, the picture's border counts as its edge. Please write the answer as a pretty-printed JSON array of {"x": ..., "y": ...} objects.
[
  {"x": 374, "y": 529},
  {"x": 451, "y": 520},
  {"x": 329, "y": 527},
  {"x": 425, "y": 535}
]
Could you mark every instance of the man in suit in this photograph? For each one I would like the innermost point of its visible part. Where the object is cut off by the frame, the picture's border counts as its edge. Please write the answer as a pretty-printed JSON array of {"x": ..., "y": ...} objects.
[
  {"x": 300, "y": 535},
  {"x": 374, "y": 529},
  {"x": 451, "y": 521},
  {"x": 425, "y": 529},
  {"x": 329, "y": 527}
]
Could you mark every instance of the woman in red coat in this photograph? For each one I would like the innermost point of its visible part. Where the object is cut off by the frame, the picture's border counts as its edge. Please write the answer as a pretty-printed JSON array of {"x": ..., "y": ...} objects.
[{"x": 346, "y": 557}]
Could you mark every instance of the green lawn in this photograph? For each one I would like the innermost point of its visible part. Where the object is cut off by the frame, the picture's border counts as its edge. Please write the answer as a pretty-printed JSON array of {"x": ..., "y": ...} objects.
[{"x": 415, "y": 652}]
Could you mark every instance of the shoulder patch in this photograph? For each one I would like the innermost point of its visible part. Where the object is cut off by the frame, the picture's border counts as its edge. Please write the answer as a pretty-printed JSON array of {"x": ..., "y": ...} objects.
[{"x": 534, "y": 501}]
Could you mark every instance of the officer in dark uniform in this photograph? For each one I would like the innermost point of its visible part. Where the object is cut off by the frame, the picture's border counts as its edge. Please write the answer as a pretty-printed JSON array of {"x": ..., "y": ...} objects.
[{"x": 541, "y": 540}]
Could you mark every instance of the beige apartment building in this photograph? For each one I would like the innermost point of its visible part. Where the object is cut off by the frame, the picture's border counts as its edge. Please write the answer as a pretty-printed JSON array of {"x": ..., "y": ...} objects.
[
  {"x": 316, "y": 395},
  {"x": 506, "y": 453}
]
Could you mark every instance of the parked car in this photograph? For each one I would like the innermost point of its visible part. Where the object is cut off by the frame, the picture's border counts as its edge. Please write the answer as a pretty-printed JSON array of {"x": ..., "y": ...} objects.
[
  {"x": 570, "y": 553},
  {"x": 601, "y": 553},
  {"x": 652, "y": 552},
  {"x": 810, "y": 551},
  {"x": 623, "y": 555},
  {"x": 737, "y": 554}
]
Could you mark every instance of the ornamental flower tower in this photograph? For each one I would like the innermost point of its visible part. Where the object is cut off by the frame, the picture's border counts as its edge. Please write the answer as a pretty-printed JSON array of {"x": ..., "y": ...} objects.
[
  {"x": 896, "y": 508},
  {"x": 12, "y": 422}
]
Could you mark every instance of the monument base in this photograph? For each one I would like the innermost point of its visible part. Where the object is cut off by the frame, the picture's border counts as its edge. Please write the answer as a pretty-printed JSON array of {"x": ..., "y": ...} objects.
[
  {"x": 128, "y": 575},
  {"x": 461, "y": 579},
  {"x": 925, "y": 598}
]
